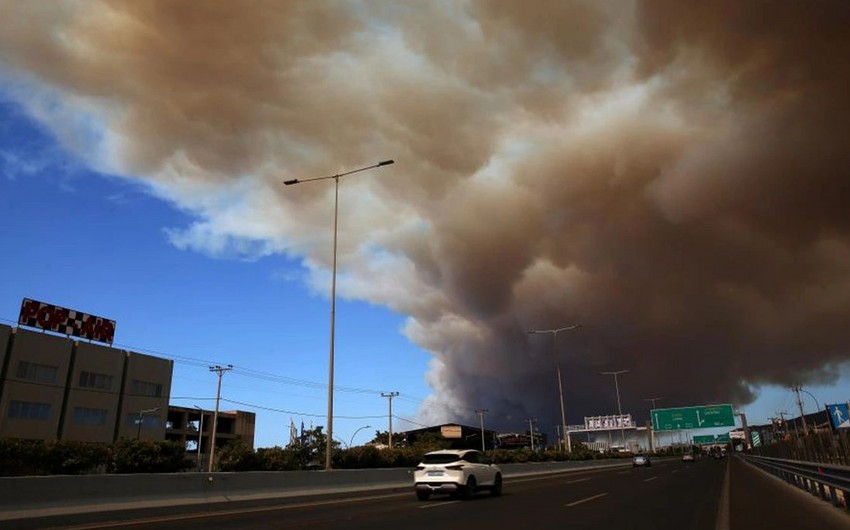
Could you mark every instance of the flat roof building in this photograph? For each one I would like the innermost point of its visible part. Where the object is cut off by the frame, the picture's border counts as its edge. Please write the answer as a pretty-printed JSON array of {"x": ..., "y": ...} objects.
[{"x": 56, "y": 388}]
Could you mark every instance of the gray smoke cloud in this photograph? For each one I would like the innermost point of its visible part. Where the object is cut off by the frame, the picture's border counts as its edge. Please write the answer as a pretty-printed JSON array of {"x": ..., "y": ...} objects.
[{"x": 672, "y": 175}]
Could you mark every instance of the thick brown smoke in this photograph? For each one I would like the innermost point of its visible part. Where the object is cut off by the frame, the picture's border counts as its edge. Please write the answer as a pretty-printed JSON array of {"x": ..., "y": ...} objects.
[{"x": 675, "y": 176}]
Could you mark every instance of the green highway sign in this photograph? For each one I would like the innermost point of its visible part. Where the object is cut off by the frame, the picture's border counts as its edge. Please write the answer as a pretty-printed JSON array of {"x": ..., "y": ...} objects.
[
  {"x": 701, "y": 417},
  {"x": 711, "y": 439}
]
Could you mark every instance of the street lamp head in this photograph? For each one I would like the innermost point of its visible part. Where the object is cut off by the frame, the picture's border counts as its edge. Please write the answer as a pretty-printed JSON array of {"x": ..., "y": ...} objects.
[
  {"x": 290, "y": 182},
  {"x": 384, "y": 163}
]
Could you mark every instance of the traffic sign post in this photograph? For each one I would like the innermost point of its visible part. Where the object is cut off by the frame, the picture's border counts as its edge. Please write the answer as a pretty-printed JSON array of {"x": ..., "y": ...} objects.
[
  {"x": 839, "y": 416},
  {"x": 699, "y": 417}
]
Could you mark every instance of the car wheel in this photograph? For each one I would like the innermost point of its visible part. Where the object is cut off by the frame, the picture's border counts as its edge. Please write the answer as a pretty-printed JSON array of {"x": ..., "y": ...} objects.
[
  {"x": 423, "y": 495},
  {"x": 469, "y": 489},
  {"x": 496, "y": 490}
]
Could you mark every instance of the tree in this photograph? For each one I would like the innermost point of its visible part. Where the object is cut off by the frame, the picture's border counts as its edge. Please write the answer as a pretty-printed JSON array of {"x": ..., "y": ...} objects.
[
  {"x": 430, "y": 441},
  {"x": 383, "y": 438},
  {"x": 237, "y": 456}
]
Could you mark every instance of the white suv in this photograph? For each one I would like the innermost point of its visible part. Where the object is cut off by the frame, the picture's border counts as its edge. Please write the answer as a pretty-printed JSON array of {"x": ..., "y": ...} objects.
[{"x": 462, "y": 471}]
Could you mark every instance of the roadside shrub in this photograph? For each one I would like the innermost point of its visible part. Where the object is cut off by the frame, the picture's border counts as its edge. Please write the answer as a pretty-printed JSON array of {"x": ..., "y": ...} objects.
[
  {"x": 76, "y": 458},
  {"x": 279, "y": 459},
  {"x": 129, "y": 455},
  {"x": 23, "y": 457}
]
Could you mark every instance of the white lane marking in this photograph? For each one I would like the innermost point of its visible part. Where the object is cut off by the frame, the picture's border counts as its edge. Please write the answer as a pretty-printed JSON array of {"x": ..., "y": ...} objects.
[
  {"x": 650, "y": 479},
  {"x": 723, "y": 509},
  {"x": 675, "y": 471},
  {"x": 438, "y": 504},
  {"x": 225, "y": 513},
  {"x": 570, "y": 505},
  {"x": 574, "y": 481}
]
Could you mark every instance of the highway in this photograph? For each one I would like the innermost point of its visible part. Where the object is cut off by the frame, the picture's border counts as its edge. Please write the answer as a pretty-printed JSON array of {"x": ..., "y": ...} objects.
[{"x": 670, "y": 494}]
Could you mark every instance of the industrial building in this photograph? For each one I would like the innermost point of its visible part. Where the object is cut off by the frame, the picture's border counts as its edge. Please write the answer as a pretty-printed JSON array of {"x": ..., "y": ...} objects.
[{"x": 53, "y": 387}]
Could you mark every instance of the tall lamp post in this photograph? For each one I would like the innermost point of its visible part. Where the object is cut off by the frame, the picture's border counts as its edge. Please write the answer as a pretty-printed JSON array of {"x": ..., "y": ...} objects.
[
  {"x": 355, "y": 434},
  {"x": 565, "y": 432},
  {"x": 329, "y": 442},
  {"x": 619, "y": 410},
  {"x": 142, "y": 419},
  {"x": 200, "y": 434}
]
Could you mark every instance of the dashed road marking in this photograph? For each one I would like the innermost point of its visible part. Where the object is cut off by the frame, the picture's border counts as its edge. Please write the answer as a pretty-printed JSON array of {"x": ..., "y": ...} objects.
[
  {"x": 570, "y": 505},
  {"x": 446, "y": 503}
]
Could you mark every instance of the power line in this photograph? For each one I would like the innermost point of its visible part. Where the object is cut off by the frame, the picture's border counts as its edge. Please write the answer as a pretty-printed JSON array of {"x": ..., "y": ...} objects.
[{"x": 294, "y": 413}]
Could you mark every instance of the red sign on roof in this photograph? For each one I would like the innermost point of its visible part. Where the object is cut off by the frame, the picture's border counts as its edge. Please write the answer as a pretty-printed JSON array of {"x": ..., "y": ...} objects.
[{"x": 69, "y": 322}]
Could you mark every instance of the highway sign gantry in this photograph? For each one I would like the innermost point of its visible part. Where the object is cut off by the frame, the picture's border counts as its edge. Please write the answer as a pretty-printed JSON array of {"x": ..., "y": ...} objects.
[
  {"x": 712, "y": 439},
  {"x": 698, "y": 417}
]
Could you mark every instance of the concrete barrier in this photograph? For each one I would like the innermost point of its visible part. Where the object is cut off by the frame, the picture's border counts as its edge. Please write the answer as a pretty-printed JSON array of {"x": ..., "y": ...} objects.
[{"x": 24, "y": 498}]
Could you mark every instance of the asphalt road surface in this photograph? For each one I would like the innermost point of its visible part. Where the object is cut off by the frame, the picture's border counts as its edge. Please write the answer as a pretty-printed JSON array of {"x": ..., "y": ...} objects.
[{"x": 705, "y": 495}]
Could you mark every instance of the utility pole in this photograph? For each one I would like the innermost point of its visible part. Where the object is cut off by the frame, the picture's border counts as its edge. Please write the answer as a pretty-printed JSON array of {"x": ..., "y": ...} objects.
[
  {"x": 481, "y": 413},
  {"x": 797, "y": 389},
  {"x": 558, "y": 431},
  {"x": 784, "y": 423},
  {"x": 390, "y": 396},
  {"x": 531, "y": 431},
  {"x": 773, "y": 429},
  {"x": 220, "y": 371}
]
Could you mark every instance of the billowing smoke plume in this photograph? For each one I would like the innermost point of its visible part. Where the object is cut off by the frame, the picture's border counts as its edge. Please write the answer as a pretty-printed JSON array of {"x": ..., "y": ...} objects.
[{"x": 675, "y": 176}]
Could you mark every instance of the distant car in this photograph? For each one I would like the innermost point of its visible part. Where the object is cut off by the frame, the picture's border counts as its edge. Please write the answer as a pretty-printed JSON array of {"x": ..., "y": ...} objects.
[
  {"x": 688, "y": 457},
  {"x": 641, "y": 460},
  {"x": 462, "y": 472}
]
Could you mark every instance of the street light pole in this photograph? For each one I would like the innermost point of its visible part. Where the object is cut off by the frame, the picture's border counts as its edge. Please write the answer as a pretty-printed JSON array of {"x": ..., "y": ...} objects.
[
  {"x": 355, "y": 434},
  {"x": 481, "y": 414},
  {"x": 554, "y": 332},
  {"x": 531, "y": 432},
  {"x": 329, "y": 442},
  {"x": 200, "y": 435},
  {"x": 142, "y": 419},
  {"x": 619, "y": 410}
]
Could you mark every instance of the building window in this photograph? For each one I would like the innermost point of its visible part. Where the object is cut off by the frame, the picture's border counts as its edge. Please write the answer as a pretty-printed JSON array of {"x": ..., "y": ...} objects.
[
  {"x": 26, "y": 410},
  {"x": 85, "y": 416},
  {"x": 94, "y": 380},
  {"x": 40, "y": 373},
  {"x": 146, "y": 388}
]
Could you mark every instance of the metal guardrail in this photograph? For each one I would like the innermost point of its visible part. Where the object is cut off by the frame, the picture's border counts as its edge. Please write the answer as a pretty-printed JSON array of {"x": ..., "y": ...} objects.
[{"x": 829, "y": 482}]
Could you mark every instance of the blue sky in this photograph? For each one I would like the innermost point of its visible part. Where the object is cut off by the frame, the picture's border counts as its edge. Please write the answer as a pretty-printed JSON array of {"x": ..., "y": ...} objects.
[
  {"x": 582, "y": 170},
  {"x": 98, "y": 243}
]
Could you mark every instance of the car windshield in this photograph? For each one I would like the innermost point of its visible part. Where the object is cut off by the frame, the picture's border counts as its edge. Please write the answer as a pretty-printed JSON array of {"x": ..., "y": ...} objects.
[{"x": 440, "y": 458}]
